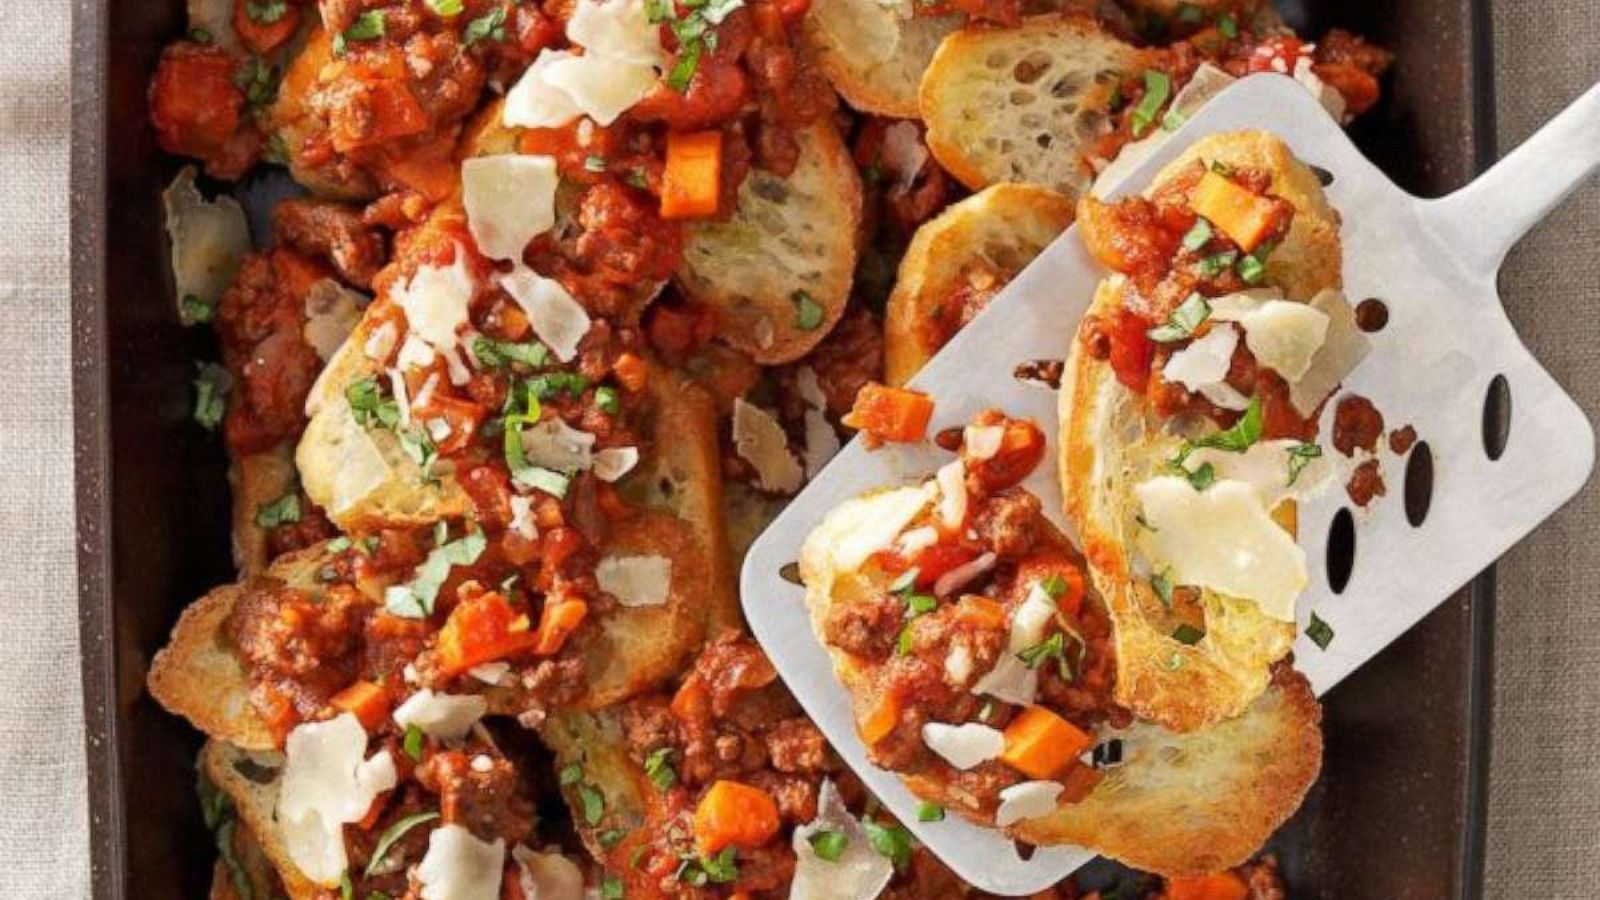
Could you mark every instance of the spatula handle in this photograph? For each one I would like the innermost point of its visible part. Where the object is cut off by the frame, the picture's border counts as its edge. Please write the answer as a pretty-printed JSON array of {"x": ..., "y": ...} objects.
[{"x": 1484, "y": 220}]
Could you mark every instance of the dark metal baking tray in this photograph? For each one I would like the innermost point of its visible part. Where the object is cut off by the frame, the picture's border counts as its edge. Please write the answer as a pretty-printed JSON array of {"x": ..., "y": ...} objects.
[{"x": 1398, "y": 812}]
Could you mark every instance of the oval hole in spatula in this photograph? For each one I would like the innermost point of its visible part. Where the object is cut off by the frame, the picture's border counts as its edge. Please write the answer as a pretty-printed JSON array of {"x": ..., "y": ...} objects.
[
  {"x": 1419, "y": 484},
  {"x": 1496, "y": 417},
  {"x": 1341, "y": 550}
]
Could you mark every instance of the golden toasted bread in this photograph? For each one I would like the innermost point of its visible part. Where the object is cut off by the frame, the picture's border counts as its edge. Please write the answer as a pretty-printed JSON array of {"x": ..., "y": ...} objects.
[
  {"x": 257, "y": 479},
  {"x": 251, "y": 781},
  {"x": 594, "y": 742},
  {"x": 1108, "y": 445},
  {"x": 875, "y": 53},
  {"x": 1024, "y": 104},
  {"x": 988, "y": 237},
  {"x": 778, "y": 272},
  {"x": 245, "y": 872}
]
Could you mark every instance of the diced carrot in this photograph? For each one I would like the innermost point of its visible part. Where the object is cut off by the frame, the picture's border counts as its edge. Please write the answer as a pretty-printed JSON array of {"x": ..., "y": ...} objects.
[
  {"x": 482, "y": 628},
  {"x": 880, "y": 719},
  {"x": 981, "y": 612},
  {"x": 890, "y": 414},
  {"x": 367, "y": 700},
  {"x": 631, "y": 371},
  {"x": 691, "y": 182},
  {"x": 262, "y": 36},
  {"x": 1021, "y": 449},
  {"x": 692, "y": 702},
  {"x": 390, "y": 111},
  {"x": 735, "y": 814},
  {"x": 560, "y": 619},
  {"x": 1216, "y": 886},
  {"x": 1041, "y": 744},
  {"x": 1245, "y": 217}
]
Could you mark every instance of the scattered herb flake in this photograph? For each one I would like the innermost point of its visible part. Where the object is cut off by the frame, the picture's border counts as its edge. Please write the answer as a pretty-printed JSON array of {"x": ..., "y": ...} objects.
[
  {"x": 281, "y": 511},
  {"x": 1183, "y": 321},
  {"x": 500, "y": 354},
  {"x": 1187, "y": 634},
  {"x": 266, "y": 12},
  {"x": 570, "y": 774},
  {"x": 605, "y": 399},
  {"x": 211, "y": 396},
  {"x": 1228, "y": 25},
  {"x": 394, "y": 833},
  {"x": 929, "y": 812},
  {"x": 611, "y": 888},
  {"x": 1157, "y": 88},
  {"x": 1198, "y": 235},
  {"x": 658, "y": 768},
  {"x": 490, "y": 26},
  {"x": 412, "y": 743},
  {"x": 828, "y": 844},
  {"x": 808, "y": 313},
  {"x": 593, "y": 804},
  {"x": 1320, "y": 632},
  {"x": 893, "y": 841},
  {"x": 449, "y": 9},
  {"x": 1300, "y": 456},
  {"x": 1161, "y": 583}
]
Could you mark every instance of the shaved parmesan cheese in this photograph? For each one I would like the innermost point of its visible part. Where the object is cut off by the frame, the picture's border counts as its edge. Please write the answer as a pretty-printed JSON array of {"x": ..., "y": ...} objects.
[
  {"x": 414, "y": 354},
  {"x": 612, "y": 463},
  {"x": 402, "y": 399},
  {"x": 1033, "y": 615},
  {"x": 553, "y": 444},
  {"x": 982, "y": 442},
  {"x": 960, "y": 576},
  {"x": 510, "y": 199},
  {"x": 619, "y": 30},
  {"x": 547, "y": 876},
  {"x": 558, "y": 320},
  {"x": 1010, "y": 680},
  {"x": 377, "y": 774},
  {"x": 1343, "y": 348},
  {"x": 809, "y": 389},
  {"x": 918, "y": 539},
  {"x": 1221, "y": 538},
  {"x": 1284, "y": 336},
  {"x": 490, "y": 672},
  {"x": 603, "y": 89},
  {"x": 964, "y": 746},
  {"x": 1205, "y": 360},
  {"x": 435, "y": 301},
  {"x": 209, "y": 239},
  {"x": 958, "y": 665},
  {"x": 860, "y": 872},
  {"x": 822, "y": 442},
  {"x": 1265, "y": 466},
  {"x": 522, "y": 517},
  {"x": 1326, "y": 94},
  {"x": 870, "y": 524},
  {"x": 635, "y": 580},
  {"x": 447, "y": 717},
  {"x": 332, "y": 312},
  {"x": 760, "y": 441},
  {"x": 1224, "y": 395},
  {"x": 1028, "y": 800},
  {"x": 459, "y": 373},
  {"x": 535, "y": 103},
  {"x": 458, "y": 866},
  {"x": 952, "y": 479},
  {"x": 868, "y": 32},
  {"x": 327, "y": 783},
  {"x": 903, "y": 153},
  {"x": 381, "y": 341}
]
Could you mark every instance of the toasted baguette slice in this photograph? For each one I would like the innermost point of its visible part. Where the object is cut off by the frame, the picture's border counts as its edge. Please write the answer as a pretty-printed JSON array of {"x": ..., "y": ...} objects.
[
  {"x": 993, "y": 234},
  {"x": 1180, "y": 804},
  {"x": 594, "y": 740},
  {"x": 875, "y": 53},
  {"x": 249, "y": 863},
  {"x": 292, "y": 122},
  {"x": 787, "y": 237},
  {"x": 1024, "y": 104},
  {"x": 251, "y": 780},
  {"x": 1108, "y": 445}
]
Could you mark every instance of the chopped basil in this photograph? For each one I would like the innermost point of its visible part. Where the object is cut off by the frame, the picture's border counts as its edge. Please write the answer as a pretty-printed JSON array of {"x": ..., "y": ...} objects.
[
  {"x": 415, "y": 599},
  {"x": 690, "y": 872},
  {"x": 918, "y": 604},
  {"x": 417, "y": 444},
  {"x": 259, "y": 81},
  {"x": 570, "y": 774},
  {"x": 281, "y": 511},
  {"x": 893, "y": 841},
  {"x": 546, "y": 386},
  {"x": 1052, "y": 647},
  {"x": 217, "y": 810},
  {"x": 605, "y": 399},
  {"x": 378, "y": 895},
  {"x": 276, "y": 151},
  {"x": 1054, "y": 585},
  {"x": 693, "y": 30},
  {"x": 905, "y": 581},
  {"x": 200, "y": 36},
  {"x": 722, "y": 868},
  {"x": 1251, "y": 270},
  {"x": 1187, "y": 634},
  {"x": 347, "y": 890},
  {"x": 1241, "y": 437},
  {"x": 192, "y": 309},
  {"x": 1217, "y": 263},
  {"x": 828, "y": 844},
  {"x": 1189, "y": 14},
  {"x": 594, "y": 163},
  {"x": 593, "y": 804},
  {"x": 1300, "y": 456},
  {"x": 1181, "y": 324},
  {"x": 339, "y": 544},
  {"x": 369, "y": 404},
  {"x": 412, "y": 743},
  {"x": 446, "y": 8},
  {"x": 688, "y": 61},
  {"x": 1173, "y": 120},
  {"x": 1157, "y": 88},
  {"x": 611, "y": 837},
  {"x": 1228, "y": 25},
  {"x": 490, "y": 25},
  {"x": 658, "y": 768},
  {"x": 499, "y": 354},
  {"x": 1198, "y": 235},
  {"x": 808, "y": 313},
  {"x": 902, "y": 641},
  {"x": 929, "y": 812},
  {"x": 1201, "y": 478},
  {"x": 369, "y": 26},
  {"x": 1222, "y": 168},
  {"x": 394, "y": 833},
  {"x": 1320, "y": 632},
  {"x": 211, "y": 395},
  {"x": 265, "y": 12},
  {"x": 1161, "y": 583},
  {"x": 611, "y": 887}
]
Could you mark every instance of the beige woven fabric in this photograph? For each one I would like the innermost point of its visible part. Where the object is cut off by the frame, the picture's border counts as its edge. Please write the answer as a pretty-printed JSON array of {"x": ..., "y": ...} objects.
[
  {"x": 44, "y": 846},
  {"x": 1544, "y": 797}
]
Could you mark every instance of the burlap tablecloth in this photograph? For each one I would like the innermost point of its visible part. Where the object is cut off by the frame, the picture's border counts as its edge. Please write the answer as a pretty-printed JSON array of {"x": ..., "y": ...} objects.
[{"x": 1545, "y": 779}]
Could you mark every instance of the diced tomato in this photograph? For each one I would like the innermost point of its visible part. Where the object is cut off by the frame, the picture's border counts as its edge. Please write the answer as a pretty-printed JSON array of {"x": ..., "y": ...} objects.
[
  {"x": 482, "y": 628},
  {"x": 463, "y": 417},
  {"x": 489, "y": 489},
  {"x": 1359, "y": 89},
  {"x": 1131, "y": 349},
  {"x": 386, "y": 110},
  {"x": 198, "y": 109},
  {"x": 1020, "y": 451},
  {"x": 892, "y": 414}
]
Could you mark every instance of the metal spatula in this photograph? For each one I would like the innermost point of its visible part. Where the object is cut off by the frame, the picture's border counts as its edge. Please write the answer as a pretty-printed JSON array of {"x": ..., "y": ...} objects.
[{"x": 1432, "y": 262}]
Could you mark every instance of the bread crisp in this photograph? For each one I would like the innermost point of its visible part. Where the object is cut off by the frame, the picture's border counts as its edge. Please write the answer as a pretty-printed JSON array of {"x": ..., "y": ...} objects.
[{"x": 875, "y": 53}]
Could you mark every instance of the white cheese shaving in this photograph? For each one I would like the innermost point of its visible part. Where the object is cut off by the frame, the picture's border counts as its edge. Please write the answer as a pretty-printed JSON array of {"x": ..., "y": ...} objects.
[
  {"x": 760, "y": 441},
  {"x": 510, "y": 199},
  {"x": 618, "y": 30},
  {"x": 332, "y": 312},
  {"x": 1343, "y": 348},
  {"x": 380, "y": 343},
  {"x": 603, "y": 89},
  {"x": 982, "y": 442},
  {"x": 547, "y": 876},
  {"x": 958, "y": 577},
  {"x": 447, "y": 717},
  {"x": 522, "y": 517},
  {"x": 415, "y": 353},
  {"x": 809, "y": 388},
  {"x": 612, "y": 463},
  {"x": 870, "y": 524},
  {"x": 1010, "y": 680},
  {"x": 903, "y": 154},
  {"x": 209, "y": 240},
  {"x": 458, "y": 866},
  {"x": 1205, "y": 360},
  {"x": 1028, "y": 800},
  {"x": 917, "y": 539},
  {"x": 1033, "y": 615},
  {"x": 635, "y": 580},
  {"x": 964, "y": 746},
  {"x": 860, "y": 872},
  {"x": 1221, "y": 538},
  {"x": 952, "y": 479},
  {"x": 558, "y": 320},
  {"x": 459, "y": 373},
  {"x": 482, "y": 763},
  {"x": 1225, "y": 395},
  {"x": 377, "y": 774},
  {"x": 438, "y": 430},
  {"x": 435, "y": 301},
  {"x": 554, "y": 444},
  {"x": 402, "y": 398},
  {"x": 490, "y": 672},
  {"x": 958, "y": 665},
  {"x": 533, "y": 102},
  {"x": 1283, "y": 335},
  {"x": 425, "y": 393},
  {"x": 822, "y": 442},
  {"x": 1326, "y": 94},
  {"x": 327, "y": 783}
]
